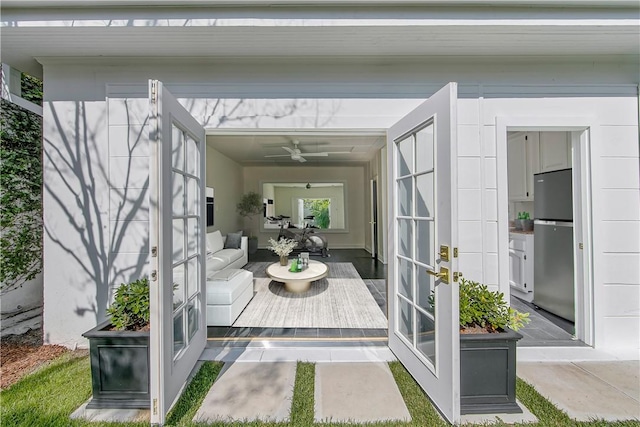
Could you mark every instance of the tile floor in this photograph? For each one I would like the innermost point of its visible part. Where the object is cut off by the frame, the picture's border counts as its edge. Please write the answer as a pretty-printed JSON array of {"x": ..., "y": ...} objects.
[{"x": 545, "y": 329}]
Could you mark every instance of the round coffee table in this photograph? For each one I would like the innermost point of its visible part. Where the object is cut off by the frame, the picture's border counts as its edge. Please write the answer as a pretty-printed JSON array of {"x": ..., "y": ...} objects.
[{"x": 301, "y": 281}]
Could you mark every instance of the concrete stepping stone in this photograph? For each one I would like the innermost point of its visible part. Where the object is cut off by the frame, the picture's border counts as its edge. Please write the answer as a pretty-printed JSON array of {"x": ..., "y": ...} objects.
[
  {"x": 623, "y": 375},
  {"x": 248, "y": 391},
  {"x": 582, "y": 394},
  {"x": 357, "y": 392}
]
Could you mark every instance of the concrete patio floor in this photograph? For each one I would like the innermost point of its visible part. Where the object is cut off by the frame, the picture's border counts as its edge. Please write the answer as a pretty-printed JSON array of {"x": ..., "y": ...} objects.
[
  {"x": 588, "y": 390},
  {"x": 598, "y": 387}
]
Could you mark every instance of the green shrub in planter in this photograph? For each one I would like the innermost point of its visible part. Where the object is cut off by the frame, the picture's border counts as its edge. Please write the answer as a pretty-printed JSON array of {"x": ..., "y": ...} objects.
[
  {"x": 480, "y": 307},
  {"x": 119, "y": 351},
  {"x": 487, "y": 350},
  {"x": 130, "y": 308}
]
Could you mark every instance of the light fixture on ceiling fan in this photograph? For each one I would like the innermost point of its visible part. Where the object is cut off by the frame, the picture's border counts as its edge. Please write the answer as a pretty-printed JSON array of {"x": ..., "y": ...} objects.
[
  {"x": 308, "y": 186},
  {"x": 296, "y": 154}
]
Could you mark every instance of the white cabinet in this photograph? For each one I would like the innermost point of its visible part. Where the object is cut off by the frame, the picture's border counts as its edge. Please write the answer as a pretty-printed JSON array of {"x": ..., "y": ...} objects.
[
  {"x": 529, "y": 153},
  {"x": 555, "y": 151},
  {"x": 522, "y": 158},
  {"x": 521, "y": 265}
]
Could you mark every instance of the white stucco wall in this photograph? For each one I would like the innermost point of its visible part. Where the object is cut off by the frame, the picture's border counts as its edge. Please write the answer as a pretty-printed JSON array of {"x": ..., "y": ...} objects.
[{"x": 80, "y": 168}]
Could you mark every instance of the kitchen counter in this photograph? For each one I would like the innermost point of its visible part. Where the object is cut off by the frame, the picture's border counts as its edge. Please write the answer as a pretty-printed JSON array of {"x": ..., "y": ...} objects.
[{"x": 513, "y": 230}]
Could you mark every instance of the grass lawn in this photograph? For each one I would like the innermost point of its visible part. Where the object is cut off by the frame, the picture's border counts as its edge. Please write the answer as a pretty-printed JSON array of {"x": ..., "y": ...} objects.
[{"x": 48, "y": 396}]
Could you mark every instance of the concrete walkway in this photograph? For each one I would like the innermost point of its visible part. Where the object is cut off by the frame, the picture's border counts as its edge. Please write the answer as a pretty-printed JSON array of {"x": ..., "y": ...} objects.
[
  {"x": 357, "y": 392},
  {"x": 608, "y": 390},
  {"x": 250, "y": 391}
]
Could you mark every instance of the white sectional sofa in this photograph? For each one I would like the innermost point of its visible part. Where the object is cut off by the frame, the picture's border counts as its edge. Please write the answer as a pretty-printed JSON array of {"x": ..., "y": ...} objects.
[
  {"x": 219, "y": 258},
  {"x": 229, "y": 288}
]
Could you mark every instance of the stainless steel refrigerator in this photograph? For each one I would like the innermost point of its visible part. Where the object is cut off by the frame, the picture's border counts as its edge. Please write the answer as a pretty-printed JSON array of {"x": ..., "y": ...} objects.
[{"x": 553, "y": 243}]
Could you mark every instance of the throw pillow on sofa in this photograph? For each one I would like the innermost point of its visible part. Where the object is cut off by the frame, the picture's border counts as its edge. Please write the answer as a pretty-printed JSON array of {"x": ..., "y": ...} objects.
[{"x": 233, "y": 240}]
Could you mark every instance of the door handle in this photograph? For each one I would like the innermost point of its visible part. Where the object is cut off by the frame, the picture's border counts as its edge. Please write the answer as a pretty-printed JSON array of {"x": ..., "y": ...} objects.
[{"x": 442, "y": 275}]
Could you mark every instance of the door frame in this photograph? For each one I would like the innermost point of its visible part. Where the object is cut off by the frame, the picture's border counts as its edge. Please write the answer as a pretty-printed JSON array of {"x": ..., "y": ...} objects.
[
  {"x": 375, "y": 217},
  {"x": 584, "y": 131}
]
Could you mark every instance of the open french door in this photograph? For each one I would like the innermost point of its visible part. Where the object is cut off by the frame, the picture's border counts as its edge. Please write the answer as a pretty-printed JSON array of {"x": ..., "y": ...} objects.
[
  {"x": 177, "y": 242},
  {"x": 423, "y": 291}
]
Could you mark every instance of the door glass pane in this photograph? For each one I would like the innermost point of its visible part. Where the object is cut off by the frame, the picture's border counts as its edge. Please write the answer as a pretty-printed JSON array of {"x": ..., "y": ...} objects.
[
  {"x": 193, "y": 276},
  {"x": 405, "y": 278},
  {"x": 193, "y": 156},
  {"x": 178, "y": 332},
  {"x": 193, "y": 196},
  {"x": 192, "y": 318},
  {"x": 177, "y": 193},
  {"x": 405, "y": 319},
  {"x": 404, "y": 237},
  {"x": 424, "y": 195},
  {"x": 178, "y": 285},
  {"x": 405, "y": 156},
  {"x": 424, "y": 149},
  {"x": 425, "y": 242},
  {"x": 177, "y": 148},
  {"x": 192, "y": 236},
  {"x": 426, "y": 340},
  {"x": 405, "y": 196},
  {"x": 424, "y": 286},
  {"x": 178, "y": 240}
]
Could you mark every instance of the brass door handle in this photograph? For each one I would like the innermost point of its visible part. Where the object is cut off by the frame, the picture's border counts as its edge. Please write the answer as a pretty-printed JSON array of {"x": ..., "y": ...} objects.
[
  {"x": 436, "y": 274},
  {"x": 442, "y": 275}
]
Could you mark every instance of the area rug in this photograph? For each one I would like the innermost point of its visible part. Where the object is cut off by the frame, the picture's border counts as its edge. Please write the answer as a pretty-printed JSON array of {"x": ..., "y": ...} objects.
[{"x": 341, "y": 300}]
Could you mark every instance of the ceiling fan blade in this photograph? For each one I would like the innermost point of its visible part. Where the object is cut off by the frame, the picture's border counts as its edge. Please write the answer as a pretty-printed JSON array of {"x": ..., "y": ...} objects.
[
  {"x": 315, "y": 154},
  {"x": 278, "y": 155},
  {"x": 289, "y": 150},
  {"x": 302, "y": 159}
]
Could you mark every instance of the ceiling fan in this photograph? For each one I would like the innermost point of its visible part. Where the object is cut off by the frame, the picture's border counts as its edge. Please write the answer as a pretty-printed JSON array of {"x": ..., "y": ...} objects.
[{"x": 296, "y": 154}]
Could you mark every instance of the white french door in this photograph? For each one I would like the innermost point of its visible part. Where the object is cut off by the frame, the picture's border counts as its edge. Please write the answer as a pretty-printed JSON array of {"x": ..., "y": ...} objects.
[
  {"x": 422, "y": 288},
  {"x": 177, "y": 242}
]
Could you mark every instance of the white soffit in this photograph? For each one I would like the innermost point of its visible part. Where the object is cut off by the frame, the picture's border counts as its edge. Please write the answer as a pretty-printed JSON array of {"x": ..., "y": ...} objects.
[
  {"x": 29, "y": 33},
  {"x": 112, "y": 3}
]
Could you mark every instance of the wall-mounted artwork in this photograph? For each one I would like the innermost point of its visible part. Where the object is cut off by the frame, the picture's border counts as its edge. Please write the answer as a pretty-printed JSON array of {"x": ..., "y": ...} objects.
[{"x": 210, "y": 207}]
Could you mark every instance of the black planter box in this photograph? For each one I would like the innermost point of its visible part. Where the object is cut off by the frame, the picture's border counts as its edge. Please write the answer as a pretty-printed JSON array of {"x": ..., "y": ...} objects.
[
  {"x": 488, "y": 373},
  {"x": 119, "y": 368}
]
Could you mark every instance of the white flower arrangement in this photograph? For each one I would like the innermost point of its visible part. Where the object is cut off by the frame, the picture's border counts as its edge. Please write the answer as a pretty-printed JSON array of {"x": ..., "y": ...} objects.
[{"x": 282, "y": 247}]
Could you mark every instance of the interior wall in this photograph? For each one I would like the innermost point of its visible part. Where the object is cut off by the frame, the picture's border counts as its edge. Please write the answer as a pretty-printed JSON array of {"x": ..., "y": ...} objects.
[
  {"x": 354, "y": 178},
  {"x": 225, "y": 177}
]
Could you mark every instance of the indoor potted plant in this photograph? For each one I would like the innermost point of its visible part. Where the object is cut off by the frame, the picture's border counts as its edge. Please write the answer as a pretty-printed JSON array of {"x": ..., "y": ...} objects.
[
  {"x": 250, "y": 205},
  {"x": 487, "y": 350},
  {"x": 283, "y": 248},
  {"x": 119, "y": 350},
  {"x": 524, "y": 222}
]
